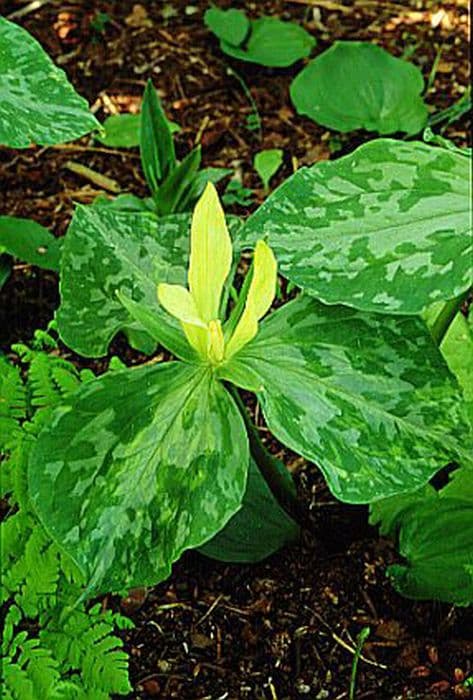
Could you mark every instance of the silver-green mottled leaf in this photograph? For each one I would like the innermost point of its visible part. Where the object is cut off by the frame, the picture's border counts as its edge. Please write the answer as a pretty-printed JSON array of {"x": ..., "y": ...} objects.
[
  {"x": 366, "y": 397},
  {"x": 106, "y": 251},
  {"x": 358, "y": 85},
  {"x": 457, "y": 349},
  {"x": 37, "y": 102},
  {"x": 136, "y": 467},
  {"x": 386, "y": 228}
]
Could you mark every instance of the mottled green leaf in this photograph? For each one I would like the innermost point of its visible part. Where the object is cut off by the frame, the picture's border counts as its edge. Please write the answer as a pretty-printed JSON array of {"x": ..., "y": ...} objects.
[
  {"x": 386, "y": 228},
  {"x": 358, "y": 85},
  {"x": 29, "y": 241},
  {"x": 366, "y": 397},
  {"x": 111, "y": 264},
  {"x": 107, "y": 251},
  {"x": 272, "y": 43},
  {"x": 436, "y": 540},
  {"x": 37, "y": 102},
  {"x": 123, "y": 130},
  {"x": 228, "y": 25},
  {"x": 259, "y": 528},
  {"x": 136, "y": 467}
]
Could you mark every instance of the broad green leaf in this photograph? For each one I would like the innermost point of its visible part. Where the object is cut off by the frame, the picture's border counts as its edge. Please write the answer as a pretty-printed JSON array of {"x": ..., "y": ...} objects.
[
  {"x": 125, "y": 497},
  {"x": 366, "y": 397},
  {"x": 259, "y": 528},
  {"x": 436, "y": 540},
  {"x": 358, "y": 85},
  {"x": 125, "y": 202},
  {"x": 107, "y": 251},
  {"x": 38, "y": 105},
  {"x": 123, "y": 130},
  {"x": 228, "y": 25},
  {"x": 272, "y": 43},
  {"x": 267, "y": 163},
  {"x": 29, "y": 241},
  {"x": 386, "y": 228},
  {"x": 158, "y": 157}
]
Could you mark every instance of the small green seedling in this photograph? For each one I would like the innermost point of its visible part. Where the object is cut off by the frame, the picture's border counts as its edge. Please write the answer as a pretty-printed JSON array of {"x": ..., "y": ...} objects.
[
  {"x": 267, "y": 163},
  {"x": 267, "y": 41},
  {"x": 174, "y": 185}
]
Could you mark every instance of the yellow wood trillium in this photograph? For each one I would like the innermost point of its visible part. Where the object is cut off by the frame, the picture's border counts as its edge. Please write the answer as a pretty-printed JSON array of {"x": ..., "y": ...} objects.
[{"x": 198, "y": 306}]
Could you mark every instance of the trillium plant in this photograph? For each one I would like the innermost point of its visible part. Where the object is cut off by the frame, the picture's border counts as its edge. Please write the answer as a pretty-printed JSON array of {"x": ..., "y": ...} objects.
[{"x": 141, "y": 464}]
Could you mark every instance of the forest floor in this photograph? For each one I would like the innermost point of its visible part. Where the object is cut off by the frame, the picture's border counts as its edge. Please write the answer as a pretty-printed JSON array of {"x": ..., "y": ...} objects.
[{"x": 285, "y": 628}]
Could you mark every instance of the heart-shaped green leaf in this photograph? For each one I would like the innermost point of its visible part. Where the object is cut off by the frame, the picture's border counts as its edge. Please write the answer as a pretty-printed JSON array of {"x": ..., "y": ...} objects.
[
  {"x": 37, "y": 102},
  {"x": 228, "y": 25},
  {"x": 358, "y": 85},
  {"x": 136, "y": 467},
  {"x": 366, "y": 397},
  {"x": 386, "y": 228}
]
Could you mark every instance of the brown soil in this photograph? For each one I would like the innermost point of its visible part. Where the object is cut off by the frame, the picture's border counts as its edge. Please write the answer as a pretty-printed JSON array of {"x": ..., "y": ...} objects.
[{"x": 287, "y": 627}]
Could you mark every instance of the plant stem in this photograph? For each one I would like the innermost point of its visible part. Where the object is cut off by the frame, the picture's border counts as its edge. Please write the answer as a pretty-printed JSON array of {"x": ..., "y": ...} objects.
[
  {"x": 362, "y": 637},
  {"x": 265, "y": 462},
  {"x": 445, "y": 318}
]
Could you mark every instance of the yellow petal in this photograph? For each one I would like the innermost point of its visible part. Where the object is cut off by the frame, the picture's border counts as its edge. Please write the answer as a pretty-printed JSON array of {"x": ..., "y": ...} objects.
[
  {"x": 260, "y": 297},
  {"x": 179, "y": 302},
  {"x": 216, "y": 343},
  {"x": 211, "y": 254},
  {"x": 263, "y": 285},
  {"x": 245, "y": 331}
]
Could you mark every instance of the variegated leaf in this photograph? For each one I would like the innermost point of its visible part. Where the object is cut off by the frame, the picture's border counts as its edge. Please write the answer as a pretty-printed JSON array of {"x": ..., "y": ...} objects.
[
  {"x": 136, "y": 467},
  {"x": 37, "y": 102},
  {"x": 106, "y": 252},
  {"x": 386, "y": 228},
  {"x": 366, "y": 397}
]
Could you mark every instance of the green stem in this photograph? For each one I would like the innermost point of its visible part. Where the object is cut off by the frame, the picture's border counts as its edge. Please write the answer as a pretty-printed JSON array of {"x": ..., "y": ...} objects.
[
  {"x": 266, "y": 464},
  {"x": 444, "y": 319}
]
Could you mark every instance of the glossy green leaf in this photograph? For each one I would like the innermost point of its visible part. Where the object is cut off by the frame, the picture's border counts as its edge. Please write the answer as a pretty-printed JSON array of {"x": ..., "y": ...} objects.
[
  {"x": 37, "y": 102},
  {"x": 436, "y": 540},
  {"x": 136, "y": 467},
  {"x": 29, "y": 241},
  {"x": 366, "y": 397},
  {"x": 228, "y": 25},
  {"x": 158, "y": 157},
  {"x": 272, "y": 43},
  {"x": 386, "y": 228},
  {"x": 123, "y": 130},
  {"x": 107, "y": 251},
  {"x": 259, "y": 528},
  {"x": 358, "y": 85},
  {"x": 267, "y": 163}
]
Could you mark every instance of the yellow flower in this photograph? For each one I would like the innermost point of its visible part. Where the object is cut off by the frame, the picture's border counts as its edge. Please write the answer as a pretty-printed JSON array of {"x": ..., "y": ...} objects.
[{"x": 198, "y": 307}]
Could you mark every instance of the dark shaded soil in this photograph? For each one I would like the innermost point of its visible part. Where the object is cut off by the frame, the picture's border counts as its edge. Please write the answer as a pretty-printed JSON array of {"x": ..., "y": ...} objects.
[{"x": 285, "y": 628}]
